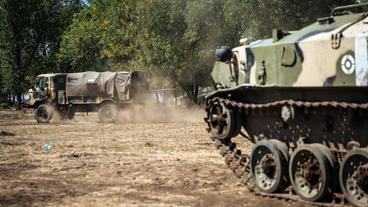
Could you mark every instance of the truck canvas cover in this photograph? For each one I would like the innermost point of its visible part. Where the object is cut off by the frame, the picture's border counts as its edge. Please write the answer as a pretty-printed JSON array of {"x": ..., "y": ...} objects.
[{"x": 93, "y": 84}]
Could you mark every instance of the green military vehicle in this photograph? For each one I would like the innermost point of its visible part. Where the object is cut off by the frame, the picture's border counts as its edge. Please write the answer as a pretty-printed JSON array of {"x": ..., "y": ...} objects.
[
  {"x": 301, "y": 98},
  {"x": 104, "y": 92}
]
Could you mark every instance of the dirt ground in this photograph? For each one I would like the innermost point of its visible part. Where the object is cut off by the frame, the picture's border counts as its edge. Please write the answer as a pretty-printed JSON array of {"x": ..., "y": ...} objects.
[{"x": 153, "y": 161}]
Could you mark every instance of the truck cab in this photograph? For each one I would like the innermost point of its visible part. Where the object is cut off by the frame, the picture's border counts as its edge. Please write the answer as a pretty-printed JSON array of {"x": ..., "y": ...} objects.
[{"x": 45, "y": 89}]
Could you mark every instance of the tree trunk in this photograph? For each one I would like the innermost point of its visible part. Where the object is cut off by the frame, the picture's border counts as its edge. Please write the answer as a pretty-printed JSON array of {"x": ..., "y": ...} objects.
[
  {"x": 19, "y": 101},
  {"x": 9, "y": 98},
  {"x": 195, "y": 90},
  {"x": 12, "y": 99}
]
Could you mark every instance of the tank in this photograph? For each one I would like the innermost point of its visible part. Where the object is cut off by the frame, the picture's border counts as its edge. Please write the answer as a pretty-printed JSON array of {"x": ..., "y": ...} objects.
[{"x": 301, "y": 99}]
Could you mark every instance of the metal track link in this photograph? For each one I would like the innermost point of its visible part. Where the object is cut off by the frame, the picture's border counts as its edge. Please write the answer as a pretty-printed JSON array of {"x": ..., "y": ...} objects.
[{"x": 240, "y": 163}]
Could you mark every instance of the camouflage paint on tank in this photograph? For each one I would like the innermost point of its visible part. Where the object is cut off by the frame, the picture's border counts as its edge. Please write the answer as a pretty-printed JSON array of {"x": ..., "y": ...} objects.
[
  {"x": 233, "y": 74},
  {"x": 221, "y": 75},
  {"x": 309, "y": 57}
]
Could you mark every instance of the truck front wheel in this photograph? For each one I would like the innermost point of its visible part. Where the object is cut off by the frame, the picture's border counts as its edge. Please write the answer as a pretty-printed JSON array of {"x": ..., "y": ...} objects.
[
  {"x": 43, "y": 113},
  {"x": 107, "y": 113}
]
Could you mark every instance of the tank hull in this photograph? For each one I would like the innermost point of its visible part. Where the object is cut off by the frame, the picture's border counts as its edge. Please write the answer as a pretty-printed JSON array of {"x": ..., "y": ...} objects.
[
  {"x": 335, "y": 116},
  {"x": 265, "y": 94},
  {"x": 331, "y": 118}
]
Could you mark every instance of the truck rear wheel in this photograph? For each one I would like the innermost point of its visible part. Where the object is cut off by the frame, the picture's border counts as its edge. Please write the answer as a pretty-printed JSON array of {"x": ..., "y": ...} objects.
[
  {"x": 43, "y": 113},
  {"x": 107, "y": 113}
]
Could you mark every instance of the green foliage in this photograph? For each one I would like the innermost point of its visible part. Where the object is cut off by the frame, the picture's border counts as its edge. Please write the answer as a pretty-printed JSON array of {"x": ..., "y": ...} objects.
[
  {"x": 30, "y": 36},
  {"x": 288, "y": 15},
  {"x": 4, "y": 106},
  {"x": 175, "y": 40},
  {"x": 180, "y": 36},
  {"x": 100, "y": 37}
]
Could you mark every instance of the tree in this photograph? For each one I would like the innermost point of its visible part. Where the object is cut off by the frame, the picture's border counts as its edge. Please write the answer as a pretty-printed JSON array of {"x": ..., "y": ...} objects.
[
  {"x": 5, "y": 84},
  {"x": 30, "y": 39},
  {"x": 286, "y": 15},
  {"x": 100, "y": 37},
  {"x": 176, "y": 40},
  {"x": 179, "y": 40}
]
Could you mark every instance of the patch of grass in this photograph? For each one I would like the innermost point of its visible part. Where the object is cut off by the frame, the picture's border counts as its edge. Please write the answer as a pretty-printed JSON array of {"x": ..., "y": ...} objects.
[{"x": 5, "y": 106}]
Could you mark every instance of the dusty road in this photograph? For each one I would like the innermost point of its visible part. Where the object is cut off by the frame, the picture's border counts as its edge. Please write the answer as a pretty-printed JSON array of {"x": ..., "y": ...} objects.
[{"x": 148, "y": 163}]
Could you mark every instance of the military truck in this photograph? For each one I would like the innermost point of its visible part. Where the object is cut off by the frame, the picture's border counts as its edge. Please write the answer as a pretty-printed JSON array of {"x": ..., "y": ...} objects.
[
  {"x": 301, "y": 98},
  {"x": 103, "y": 92}
]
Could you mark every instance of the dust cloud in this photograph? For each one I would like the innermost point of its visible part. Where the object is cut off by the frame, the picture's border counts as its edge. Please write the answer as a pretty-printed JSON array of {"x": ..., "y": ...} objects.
[
  {"x": 149, "y": 113},
  {"x": 160, "y": 114}
]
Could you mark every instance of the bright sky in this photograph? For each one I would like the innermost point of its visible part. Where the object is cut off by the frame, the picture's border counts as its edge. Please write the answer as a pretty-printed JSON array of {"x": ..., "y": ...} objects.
[{"x": 85, "y": 2}]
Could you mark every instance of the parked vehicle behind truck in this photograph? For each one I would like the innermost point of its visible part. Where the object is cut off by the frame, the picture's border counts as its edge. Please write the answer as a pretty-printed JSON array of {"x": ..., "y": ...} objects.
[{"x": 105, "y": 93}]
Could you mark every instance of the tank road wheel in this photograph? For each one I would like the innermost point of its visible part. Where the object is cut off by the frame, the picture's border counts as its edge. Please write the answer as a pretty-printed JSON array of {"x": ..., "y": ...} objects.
[
  {"x": 224, "y": 122},
  {"x": 43, "y": 113},
  {"x": 107, "y": 113},
  {"x": 311, "y": 171},
  {"x": 269, "y": 165},
  {"x": 354, "y": 177}
]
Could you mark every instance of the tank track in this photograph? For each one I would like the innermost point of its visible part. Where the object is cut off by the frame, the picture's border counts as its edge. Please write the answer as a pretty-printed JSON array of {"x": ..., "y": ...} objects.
[{"x": 239, "y": 162}]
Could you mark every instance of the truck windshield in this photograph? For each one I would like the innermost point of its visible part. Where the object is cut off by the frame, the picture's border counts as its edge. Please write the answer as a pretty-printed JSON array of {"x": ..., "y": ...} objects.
[{"x": 41, "y": 83}]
